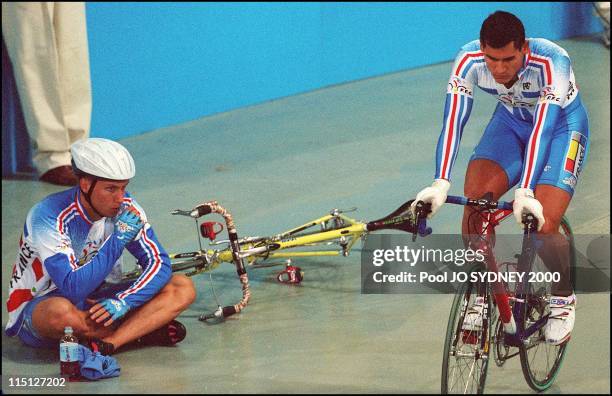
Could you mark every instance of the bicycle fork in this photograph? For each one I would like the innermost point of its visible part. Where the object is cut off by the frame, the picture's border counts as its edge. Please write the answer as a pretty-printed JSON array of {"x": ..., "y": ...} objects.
[{"x": 223, "y": 312}]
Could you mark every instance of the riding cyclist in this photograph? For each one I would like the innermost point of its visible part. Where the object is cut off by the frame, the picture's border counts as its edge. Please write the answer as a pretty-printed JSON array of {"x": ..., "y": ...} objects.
[
  {"x": 72, "y": 242},
  {"x": 537, "y": 137}
]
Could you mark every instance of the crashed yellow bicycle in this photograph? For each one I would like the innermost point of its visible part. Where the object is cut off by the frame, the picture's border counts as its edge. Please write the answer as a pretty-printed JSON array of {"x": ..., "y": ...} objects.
[{"x": 333, "y": 234}]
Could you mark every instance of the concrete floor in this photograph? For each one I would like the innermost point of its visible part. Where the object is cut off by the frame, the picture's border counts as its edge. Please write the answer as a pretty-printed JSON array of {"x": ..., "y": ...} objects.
[{"x": 275, "y": 165}]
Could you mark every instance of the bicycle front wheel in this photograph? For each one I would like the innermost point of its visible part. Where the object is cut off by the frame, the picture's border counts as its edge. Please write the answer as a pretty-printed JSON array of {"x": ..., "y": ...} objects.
[
  {"x": 541, "y": 361},
  {"x": 466, "y": 347}
]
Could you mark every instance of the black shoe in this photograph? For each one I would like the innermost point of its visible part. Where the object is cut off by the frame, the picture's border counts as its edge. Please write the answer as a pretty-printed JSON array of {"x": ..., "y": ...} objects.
[
  {"x": 167, "y": 335},
  {"x": 62, "y": 175},
  {"x": 97, "y": 345}
]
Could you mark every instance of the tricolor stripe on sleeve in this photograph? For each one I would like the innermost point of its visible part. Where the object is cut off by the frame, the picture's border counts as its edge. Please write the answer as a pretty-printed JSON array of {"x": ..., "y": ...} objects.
[
  {"x": 155, "y": 265},
  {"x": 465, "y": 64},
  {"x": 64, "y": 217},
  {"x": 81, "y": 211},
  {"x": 456, "y": 115},
  {"x": 458, "y": 111},
  {"x": 61, "y": 226},
  {"x": 544, "y": 65},
  {"x": 533, "y": 146}
]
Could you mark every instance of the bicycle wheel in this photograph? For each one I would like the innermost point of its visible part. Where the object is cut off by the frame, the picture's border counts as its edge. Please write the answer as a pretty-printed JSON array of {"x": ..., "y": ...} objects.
[
  {"x": 566, "y": 229},
  {"x": 466, "y": 350},
  {"x": 541, "y": 361}
]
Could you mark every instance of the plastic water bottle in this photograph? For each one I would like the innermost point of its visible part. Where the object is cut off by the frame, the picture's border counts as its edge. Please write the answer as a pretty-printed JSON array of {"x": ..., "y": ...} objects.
[{"x": 69, "y": 359}]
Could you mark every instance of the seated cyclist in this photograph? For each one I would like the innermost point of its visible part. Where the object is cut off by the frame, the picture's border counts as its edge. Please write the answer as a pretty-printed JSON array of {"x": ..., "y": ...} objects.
[
  {"x": 537, "y": 137},
  {"x": 72, "y": 241}
]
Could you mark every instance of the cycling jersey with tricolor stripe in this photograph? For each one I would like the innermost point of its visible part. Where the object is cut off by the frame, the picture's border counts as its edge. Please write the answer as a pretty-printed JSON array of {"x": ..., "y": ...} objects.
[
  {"x": 545, "y": 89},
  {"x": 61, "y": 248}
]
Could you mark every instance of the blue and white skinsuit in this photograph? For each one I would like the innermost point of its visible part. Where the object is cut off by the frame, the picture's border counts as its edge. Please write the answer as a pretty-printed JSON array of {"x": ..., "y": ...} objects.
[
  {"x": 62, "y": 252},
  {"x": 539, "y": 132}
]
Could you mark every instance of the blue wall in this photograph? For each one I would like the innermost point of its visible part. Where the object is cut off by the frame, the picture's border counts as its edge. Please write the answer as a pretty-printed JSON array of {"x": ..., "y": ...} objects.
[{"x": 159, "y": 64}]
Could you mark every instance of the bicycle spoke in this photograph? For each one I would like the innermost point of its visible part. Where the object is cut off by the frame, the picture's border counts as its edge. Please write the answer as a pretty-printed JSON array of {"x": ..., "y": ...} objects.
[
  {"x": 460, "y": 369},
  {"x": 470, "y": 374}
]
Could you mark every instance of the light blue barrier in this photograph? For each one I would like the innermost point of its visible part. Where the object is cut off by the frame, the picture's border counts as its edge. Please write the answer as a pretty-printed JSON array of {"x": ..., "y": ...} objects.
[{"x": 160, "y": 64}]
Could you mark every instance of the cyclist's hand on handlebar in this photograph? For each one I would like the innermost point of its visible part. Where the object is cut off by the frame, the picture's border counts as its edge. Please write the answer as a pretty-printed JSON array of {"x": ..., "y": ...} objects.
[
  {"x": 435, "y": 195},
  {"x": 524, "y": 202}
]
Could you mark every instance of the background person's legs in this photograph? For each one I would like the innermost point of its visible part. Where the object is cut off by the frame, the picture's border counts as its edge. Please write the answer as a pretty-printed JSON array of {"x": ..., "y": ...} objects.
[
  {"x": 42, "y": 57},
  {"x": 73, "y": 62}
]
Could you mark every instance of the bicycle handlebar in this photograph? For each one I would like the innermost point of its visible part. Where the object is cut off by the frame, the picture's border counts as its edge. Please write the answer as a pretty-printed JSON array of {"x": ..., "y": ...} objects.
[
  {"x": 482, "y": 203},
  {"x": 528, "y": 219},
  {"x": 404, "y": 219}
]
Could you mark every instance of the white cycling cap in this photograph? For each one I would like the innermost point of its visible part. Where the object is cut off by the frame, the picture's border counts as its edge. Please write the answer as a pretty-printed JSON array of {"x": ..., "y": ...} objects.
[{"x": 102, "y": 158}]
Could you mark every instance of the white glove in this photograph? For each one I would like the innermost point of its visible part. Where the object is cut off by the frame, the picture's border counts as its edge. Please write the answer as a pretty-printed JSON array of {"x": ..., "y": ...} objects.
[
  {"x": 435, "y": 195},
  {"x": 524, "y": 202}
]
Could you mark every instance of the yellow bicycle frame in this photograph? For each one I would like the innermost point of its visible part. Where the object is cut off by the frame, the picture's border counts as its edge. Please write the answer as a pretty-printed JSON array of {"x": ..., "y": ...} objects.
[
  {"x": 349, "y": 233},
  {"x": 276, "y": 246},
  {"x": 241, "y": 252}
]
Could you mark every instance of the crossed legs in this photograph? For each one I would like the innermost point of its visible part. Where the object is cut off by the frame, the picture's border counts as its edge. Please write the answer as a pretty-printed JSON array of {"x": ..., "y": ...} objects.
[{"x": 52, "y": 315}]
